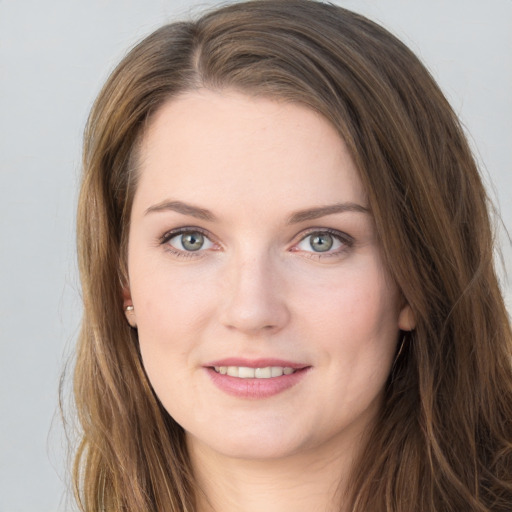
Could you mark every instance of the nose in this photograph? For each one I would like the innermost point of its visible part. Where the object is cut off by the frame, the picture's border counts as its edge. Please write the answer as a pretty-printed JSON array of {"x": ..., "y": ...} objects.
[{"x": 253, "y": 300}]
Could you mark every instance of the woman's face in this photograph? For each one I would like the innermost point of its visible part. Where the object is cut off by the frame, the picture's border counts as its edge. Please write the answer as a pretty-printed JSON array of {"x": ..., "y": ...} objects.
[{"x": 266, "y": 319}]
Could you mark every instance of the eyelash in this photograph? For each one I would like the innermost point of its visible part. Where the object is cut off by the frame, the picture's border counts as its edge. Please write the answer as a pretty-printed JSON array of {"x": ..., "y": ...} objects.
[
  {"x": 167, "y": 237},
  {"x": 346, "y": 241}
]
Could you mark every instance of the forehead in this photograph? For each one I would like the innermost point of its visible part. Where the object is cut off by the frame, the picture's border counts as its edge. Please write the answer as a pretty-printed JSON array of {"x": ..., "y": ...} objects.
[{"x": 207, "y": 146}]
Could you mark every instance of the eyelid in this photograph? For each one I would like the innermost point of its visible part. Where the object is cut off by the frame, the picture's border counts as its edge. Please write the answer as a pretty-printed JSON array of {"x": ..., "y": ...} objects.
[
  {"x": 341, "y": 236},
  {"x": 185, "y": 229},
  {"x": 168, "y": 235}
]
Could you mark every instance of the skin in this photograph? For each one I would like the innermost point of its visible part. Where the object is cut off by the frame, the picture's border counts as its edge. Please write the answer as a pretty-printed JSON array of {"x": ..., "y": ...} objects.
[{"x": 257, "y": 288}]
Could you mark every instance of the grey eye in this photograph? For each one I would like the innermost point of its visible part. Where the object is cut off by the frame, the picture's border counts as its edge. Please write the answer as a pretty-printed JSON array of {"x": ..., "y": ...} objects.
[
  {"x": 190, "y": 241},
  {"x": 321, "y": 242}
]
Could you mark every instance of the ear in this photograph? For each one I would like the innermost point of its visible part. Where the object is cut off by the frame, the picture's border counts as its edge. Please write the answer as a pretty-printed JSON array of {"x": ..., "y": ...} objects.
[
  {"x": 129, "y": 310},
  {"x": 406, "y": 319}
]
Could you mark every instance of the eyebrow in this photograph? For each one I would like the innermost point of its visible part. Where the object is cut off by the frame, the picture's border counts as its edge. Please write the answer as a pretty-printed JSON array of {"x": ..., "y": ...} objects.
[
  {"x": 294, "y": 218},
  {"x": 321, "y": 211},
  {"x": 183, "y": 208}
]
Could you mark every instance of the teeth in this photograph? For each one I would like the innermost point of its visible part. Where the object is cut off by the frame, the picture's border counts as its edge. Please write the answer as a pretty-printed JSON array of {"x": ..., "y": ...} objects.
[
  {"x": 265, "y": 373},
  {"x": 233, "y": 371},
  {"x": 243, "y": 372},
  {"x": 276, "y": 371},
  {"x": 246, "y": 373}
]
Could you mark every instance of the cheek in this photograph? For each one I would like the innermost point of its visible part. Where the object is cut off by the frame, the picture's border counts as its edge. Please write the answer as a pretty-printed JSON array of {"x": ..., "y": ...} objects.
[
  {"x": 173, "y": 309},
  {"x": 166, "y": 293},
  {"x": 356, "y": 300},
  {"x": 354, "y": 322},
  {"x": 170, "y": 310},
  {"x": 170, "y": 321}
]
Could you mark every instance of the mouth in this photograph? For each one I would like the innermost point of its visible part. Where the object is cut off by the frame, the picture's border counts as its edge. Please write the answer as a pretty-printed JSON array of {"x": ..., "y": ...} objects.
[
  {"x": 245, "y": 372},
  {"x": 255, "y": 379}
]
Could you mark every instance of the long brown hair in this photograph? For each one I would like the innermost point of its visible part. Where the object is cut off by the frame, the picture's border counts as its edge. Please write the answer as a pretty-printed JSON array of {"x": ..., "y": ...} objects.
[{"x": 443, "y": 441}]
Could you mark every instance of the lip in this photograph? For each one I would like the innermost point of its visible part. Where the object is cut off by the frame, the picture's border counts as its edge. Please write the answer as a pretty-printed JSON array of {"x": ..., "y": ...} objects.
[
  {"x": 256, "y": 363},
  {"x": 255, "y": 389}
]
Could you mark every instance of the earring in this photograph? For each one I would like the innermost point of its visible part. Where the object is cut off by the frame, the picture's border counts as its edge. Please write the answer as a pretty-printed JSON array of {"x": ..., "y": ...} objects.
[{"x": 128, "y": 308}]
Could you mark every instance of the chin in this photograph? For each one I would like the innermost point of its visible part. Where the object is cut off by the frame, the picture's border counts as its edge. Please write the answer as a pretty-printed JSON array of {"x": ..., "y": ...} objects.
[{"x": 249, "y": 445}]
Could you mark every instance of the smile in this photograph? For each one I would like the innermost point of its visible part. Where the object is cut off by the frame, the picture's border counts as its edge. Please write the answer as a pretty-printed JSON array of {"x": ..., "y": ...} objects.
[{"x": 244, "y": 372}]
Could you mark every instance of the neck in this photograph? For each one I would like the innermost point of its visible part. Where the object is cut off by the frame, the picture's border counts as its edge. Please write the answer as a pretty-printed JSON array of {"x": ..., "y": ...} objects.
[{"x": 311, "y": 481}]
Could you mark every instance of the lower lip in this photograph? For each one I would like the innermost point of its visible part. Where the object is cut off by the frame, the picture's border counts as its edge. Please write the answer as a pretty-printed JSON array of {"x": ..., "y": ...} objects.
[{"x": 255, "y": 388}]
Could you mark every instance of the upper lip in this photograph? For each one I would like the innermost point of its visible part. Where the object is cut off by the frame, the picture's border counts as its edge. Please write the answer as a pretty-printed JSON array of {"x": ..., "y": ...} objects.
[{"x": 256, "y": 363}]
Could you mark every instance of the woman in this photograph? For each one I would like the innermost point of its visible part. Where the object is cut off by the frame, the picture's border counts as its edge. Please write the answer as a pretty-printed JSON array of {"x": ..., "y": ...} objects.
[{"x": 287, "y": 268}]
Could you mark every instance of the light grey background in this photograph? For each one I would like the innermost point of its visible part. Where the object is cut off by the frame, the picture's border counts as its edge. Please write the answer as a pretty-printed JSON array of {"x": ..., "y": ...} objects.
[{"x": 54, "y": 56}]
